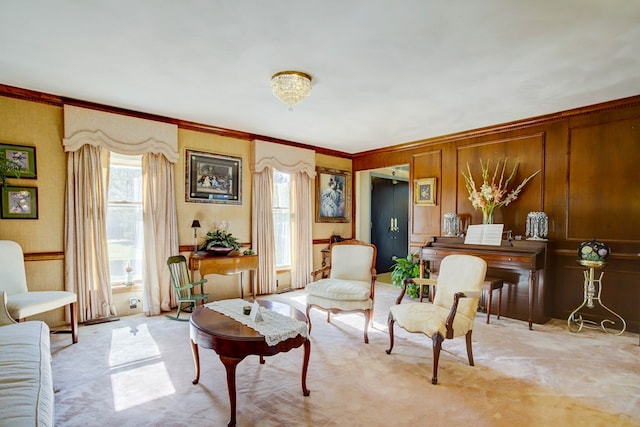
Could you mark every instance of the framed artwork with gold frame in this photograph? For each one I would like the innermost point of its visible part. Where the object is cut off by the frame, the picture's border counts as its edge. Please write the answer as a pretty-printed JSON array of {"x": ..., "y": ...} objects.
[
  {"x": 424, "y": 191},
  {"x": 333, "y": 195}
]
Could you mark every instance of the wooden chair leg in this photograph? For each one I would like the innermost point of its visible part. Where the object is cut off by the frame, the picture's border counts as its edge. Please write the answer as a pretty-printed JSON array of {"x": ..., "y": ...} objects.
[
  {"x": 390, "y": 323},
  {"x": 469, "y": 350},
  {"x": 367, "y": 320},
  {"x": 309, "y": 318},
  {"x": 73, "y": 312},
  {"x": 499, "y": 301},
  {"x": 490, "y": 292},
  {"x": 437, "y": 345}
]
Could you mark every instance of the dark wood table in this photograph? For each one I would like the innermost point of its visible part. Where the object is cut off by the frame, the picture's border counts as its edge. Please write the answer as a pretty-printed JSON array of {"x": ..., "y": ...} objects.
[{"x": 233, "y": 341}]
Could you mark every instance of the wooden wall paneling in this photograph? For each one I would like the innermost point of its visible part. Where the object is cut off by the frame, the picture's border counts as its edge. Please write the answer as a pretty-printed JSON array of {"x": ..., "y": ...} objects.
[
  {"x": 426, "y": 219},
  {"x": 526, "y": 150},
  {"x": 603, "y": 190}
]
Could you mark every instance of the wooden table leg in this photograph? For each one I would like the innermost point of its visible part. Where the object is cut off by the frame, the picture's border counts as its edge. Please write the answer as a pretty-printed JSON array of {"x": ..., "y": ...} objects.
[
  {"x": 305, "y": 365},
  {"x": 230, "y": 364},
  {"x": 196, "y": 361}
]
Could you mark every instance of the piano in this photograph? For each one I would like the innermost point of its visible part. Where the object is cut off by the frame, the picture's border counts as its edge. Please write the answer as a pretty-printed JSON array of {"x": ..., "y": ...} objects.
[{"x": 520, "y": 263}]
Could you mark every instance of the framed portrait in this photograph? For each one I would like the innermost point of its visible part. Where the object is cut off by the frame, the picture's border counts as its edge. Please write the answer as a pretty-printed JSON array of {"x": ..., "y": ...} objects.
[
  {"x": 213, "y": 178},
  {"x": 333, "y": 195},
  {"x": 23, "y": 156},
  {"x": 19, "y": 202},
  {"x": 424, "y": 191}
]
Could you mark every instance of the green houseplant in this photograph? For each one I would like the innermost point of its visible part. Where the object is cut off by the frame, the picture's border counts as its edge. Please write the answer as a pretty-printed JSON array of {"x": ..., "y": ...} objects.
[
  {"x": 219, "y": 237},
  {"x": 407, "y": 268}
]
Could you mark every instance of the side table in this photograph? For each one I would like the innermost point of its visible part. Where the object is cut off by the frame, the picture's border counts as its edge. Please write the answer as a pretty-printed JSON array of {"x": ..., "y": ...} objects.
[{"x": 592, "y": 294}]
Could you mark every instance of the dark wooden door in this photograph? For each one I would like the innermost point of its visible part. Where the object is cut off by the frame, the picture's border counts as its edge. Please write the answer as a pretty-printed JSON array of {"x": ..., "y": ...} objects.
[{"x": 389, "y": 220}]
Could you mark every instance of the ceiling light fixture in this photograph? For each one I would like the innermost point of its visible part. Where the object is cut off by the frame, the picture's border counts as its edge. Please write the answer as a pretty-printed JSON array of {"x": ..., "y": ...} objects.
[{"x": 291, "y": 87}]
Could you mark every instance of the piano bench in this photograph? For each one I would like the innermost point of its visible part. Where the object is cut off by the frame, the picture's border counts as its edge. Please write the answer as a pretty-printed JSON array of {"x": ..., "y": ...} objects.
[{"x": 491, "y": 284}]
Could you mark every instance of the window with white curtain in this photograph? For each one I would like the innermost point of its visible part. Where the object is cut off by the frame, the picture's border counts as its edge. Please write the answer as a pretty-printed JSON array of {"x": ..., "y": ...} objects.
[
  {"x": 124, "y": 219},
  {"x": 282, "y": 218}
]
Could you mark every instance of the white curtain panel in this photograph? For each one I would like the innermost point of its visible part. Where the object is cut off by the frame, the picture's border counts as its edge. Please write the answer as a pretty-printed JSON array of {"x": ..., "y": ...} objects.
[
  {"x": 302, "y": 245},
  {"x": 86, "y": 257},
  {"x": 262, "y": 230},
  {"x": 160, "y": 232}
]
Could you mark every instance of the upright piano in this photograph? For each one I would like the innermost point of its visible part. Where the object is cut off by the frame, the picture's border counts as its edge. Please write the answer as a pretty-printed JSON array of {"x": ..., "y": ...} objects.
[{"x": 520, "y": 263}]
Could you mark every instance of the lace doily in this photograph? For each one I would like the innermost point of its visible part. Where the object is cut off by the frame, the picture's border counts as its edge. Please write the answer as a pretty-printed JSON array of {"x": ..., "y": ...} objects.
[{"x": 275, "y": 327}]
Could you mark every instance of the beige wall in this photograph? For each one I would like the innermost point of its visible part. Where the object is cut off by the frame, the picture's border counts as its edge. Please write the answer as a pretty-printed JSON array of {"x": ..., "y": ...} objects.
[{"x": 41, "y": 125}]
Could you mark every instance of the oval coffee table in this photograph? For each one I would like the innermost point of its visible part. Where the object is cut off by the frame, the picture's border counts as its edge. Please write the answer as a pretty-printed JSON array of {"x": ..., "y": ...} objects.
[{"x": 233, "y": 341}]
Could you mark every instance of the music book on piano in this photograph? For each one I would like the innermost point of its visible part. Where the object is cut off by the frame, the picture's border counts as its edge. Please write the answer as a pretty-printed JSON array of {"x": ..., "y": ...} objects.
[{"x": 484, "y": 234}]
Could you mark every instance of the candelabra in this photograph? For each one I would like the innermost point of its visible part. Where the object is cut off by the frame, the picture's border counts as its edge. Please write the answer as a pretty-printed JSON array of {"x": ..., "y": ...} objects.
[{"x": 537, "y": 226}]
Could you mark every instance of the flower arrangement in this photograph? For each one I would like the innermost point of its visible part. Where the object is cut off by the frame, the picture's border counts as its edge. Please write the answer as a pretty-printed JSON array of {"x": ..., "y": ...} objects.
[
  {"x": 219, "y": 236},
  {"x": 493, "y": 194}
]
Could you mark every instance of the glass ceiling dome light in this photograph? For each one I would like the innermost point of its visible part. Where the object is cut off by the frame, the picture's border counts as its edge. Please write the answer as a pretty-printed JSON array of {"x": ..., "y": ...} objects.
[{"x": 291, "y": 87}]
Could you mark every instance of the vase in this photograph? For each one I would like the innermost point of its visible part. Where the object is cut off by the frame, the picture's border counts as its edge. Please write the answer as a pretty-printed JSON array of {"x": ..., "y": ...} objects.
[
  {"x": 487, "y": 216},
  {"x": 219, "y": 250}
]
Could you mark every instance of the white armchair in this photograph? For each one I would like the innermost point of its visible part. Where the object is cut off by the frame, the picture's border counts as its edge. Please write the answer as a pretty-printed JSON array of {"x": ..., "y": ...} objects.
[
  {"x": 350, "y": 285},
  {"x": 454, "y": 309},
  {"x": 20, "y": 303}
]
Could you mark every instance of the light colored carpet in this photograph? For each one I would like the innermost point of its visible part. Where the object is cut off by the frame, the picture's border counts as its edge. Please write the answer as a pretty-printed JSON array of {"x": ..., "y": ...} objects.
[{"x": 138, "y": 372}]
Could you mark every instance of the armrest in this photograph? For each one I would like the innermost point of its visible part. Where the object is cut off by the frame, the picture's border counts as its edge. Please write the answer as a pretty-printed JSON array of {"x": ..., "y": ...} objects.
[
  {"x": 454, "y": 308},
  {"x": 319, "y": 271},
  {"x": 5, "y": 317}
]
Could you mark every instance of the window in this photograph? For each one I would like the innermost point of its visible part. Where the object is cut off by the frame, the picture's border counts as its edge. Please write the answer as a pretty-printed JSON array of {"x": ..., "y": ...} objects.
[
  {"x": 124, "y": 219},
  {"x": 282, "y": 218}
]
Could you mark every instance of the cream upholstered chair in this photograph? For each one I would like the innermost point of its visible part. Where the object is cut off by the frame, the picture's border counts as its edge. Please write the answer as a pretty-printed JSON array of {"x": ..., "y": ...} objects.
[
  {"x": 350, "y": 285},
  {"x": 454, "y": 307},
  {"x": 20, "y": 303}
]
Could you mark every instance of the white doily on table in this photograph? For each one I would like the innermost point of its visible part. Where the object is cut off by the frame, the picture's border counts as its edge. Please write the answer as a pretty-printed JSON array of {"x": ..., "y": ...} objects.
[{"x": 275, "y": 327}]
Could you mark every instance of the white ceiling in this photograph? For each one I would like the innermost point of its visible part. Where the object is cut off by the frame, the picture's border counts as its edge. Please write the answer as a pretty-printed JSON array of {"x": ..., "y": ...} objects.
[{"x": 384, "y": 72}]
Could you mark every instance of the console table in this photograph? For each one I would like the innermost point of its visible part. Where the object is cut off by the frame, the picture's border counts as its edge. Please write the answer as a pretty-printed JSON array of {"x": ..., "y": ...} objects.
[
  {"x": 517, "y": 256},
  {"x": 206, "y": 263}
]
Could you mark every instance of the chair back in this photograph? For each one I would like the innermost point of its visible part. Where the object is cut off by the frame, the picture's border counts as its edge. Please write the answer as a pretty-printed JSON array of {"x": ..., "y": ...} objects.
[
  {"x": 180, "y": 275},
  {"x": 14, "y": 278},
  {"x": 353, "y": 260},
  {"x": 460, "y": 273}
]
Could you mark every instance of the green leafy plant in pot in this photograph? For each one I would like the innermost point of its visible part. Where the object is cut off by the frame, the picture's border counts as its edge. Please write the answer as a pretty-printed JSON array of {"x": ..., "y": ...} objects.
[
  {"x": 407, "y": 268},
  {"x": 219, "y": 237}
]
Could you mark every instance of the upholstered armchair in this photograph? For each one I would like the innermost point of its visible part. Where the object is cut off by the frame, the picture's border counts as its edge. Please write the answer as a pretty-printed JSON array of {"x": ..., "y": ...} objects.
[
  {"x": 19, "y": 302},
  {"x": 454, "y": 308},
  {"x": 347, "y": 284}
]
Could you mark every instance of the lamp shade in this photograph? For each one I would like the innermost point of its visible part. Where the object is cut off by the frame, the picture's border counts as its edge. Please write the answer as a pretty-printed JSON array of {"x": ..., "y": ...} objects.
[{"x": 195, "y": 224}]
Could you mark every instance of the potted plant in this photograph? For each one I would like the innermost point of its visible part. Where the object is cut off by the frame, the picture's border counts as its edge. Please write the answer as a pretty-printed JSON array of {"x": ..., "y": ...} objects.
[
  {"x": 219, "y": 241},
  {"x": 407, "y": 268}
]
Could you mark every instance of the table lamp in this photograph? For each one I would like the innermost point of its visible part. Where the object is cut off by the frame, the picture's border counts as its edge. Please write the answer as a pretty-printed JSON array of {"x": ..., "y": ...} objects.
[{"x": 195, "y": 225}]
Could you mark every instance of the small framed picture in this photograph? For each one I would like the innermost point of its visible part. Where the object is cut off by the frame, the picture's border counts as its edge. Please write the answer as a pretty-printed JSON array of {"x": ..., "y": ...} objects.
[
  {"x": 19, "y": 202},
  {"x": 333, "y": 195},
  {"x": 424, "y": 191},
  {"x": 213, "y": 178},
  {"x": 22, "y": 156}
]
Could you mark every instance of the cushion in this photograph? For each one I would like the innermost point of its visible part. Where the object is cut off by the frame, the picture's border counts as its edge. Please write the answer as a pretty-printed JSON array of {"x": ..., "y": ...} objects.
[
  {"x": 26, "y": 384},
  {"x": 344, "y": 305},
  {"x": 351, "y": 262},
  {"x": 429, "y": 319},
  {"x": 30, "y": 303},
  {"x": 338, "y": 289}
]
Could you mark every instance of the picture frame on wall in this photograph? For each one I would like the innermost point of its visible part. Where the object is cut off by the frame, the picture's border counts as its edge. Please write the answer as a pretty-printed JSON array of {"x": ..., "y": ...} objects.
[
  {"x": 19, "y": 202},
  {"x": 333, "y": 195},
  {"x": 22, "y": 155},
  {"x": 425, "y": 191},
  {"x": 213, "y": 178}
]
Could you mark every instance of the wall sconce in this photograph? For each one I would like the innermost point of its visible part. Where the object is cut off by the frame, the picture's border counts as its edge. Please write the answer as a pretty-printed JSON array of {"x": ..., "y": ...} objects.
[
  {"x": 195, "y": 225},
  {"x": 537, "y": 226},
  {"x": 451, "y": 225}
]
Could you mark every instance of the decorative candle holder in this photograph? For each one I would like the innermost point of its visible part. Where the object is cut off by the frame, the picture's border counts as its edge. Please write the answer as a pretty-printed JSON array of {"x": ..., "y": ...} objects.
[
  {"x": 451, "y": 226},
  {"x": 537, "y": 226}
]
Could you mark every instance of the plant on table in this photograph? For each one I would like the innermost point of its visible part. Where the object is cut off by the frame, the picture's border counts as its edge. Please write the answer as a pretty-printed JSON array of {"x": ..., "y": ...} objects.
[{"x": 219, "y": 236}]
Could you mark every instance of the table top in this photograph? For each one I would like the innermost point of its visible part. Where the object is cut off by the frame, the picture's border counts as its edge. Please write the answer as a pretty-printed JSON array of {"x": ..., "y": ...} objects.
[{"x": 216, "y": 324}]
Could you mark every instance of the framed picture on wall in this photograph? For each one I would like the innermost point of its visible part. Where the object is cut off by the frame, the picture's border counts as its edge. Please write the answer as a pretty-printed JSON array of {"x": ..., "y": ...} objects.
[
  {"x": 19, "y": 202},
  {"x": 23, "y": 156},
  {"x": 333, "y": 195},
  {"x": 424, "y": 191},
  {"x": 213, "y": 178}
]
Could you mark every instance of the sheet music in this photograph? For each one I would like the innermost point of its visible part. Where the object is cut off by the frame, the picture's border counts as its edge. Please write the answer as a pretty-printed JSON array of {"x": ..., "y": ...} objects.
[{"x": 484, "y": 234}]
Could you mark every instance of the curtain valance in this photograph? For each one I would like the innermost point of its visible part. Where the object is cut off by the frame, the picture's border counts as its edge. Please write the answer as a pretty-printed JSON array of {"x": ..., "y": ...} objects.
[
  {"x": 283, "y": 158},
  {"x": 118, "y": 133}
]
